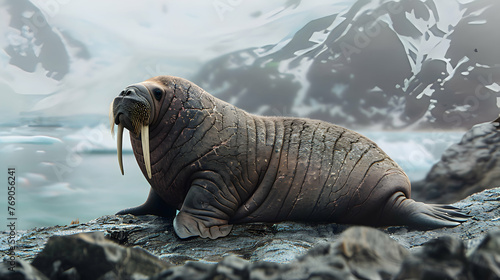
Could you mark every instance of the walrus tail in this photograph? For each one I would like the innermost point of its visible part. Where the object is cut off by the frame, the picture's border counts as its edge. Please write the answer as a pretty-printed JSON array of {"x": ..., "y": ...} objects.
[{"x": 418, "y": 215}]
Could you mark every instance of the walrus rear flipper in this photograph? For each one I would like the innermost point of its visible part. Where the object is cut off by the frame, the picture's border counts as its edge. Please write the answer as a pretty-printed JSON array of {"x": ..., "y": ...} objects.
[
  {"x": 418, "y": 215},
  {"x": 154, "y": 205}
]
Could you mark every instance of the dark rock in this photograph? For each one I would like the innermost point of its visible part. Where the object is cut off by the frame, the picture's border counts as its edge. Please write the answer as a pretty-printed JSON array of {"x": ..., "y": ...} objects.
[
  {"x": 360, "y": 253},
  {"x": 20, "y": 269},
  {"x": 485, "y": 259},
  {"x": 70, "y": 257},
  {"x": 441, "y": 258},
  {"x": 467, "y": 167},
  {"x": 229, "y": 268}
]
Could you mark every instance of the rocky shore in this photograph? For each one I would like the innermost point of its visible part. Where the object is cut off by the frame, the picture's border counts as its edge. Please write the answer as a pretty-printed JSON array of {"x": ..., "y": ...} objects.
[{"x": 129, "y": 247}]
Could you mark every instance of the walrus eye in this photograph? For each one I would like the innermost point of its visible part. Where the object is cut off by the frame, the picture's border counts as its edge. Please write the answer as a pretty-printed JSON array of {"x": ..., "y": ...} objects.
[{"x": 157, "y": 93}]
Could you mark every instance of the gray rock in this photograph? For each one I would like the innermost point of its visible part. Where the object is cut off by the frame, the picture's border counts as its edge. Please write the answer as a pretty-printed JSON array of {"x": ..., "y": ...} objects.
[
  {"x": 20, "y": 269},
  {"x": 266, "y": 251},
  {"x": 360, "y": 253},
  {"x": 441, "y": 258},
  {"x": 445, "y": 258},
  {"x": 485, "y": 259},
  {"x": 71, "y": 257},
  {"x": 467, "y": 167}
]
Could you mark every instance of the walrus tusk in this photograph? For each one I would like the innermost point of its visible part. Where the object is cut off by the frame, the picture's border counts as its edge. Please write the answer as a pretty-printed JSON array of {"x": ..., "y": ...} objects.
[
  {"x": 112, "y": 120},
  {"x": 119, "y": 142},
  {"x": 145, "y": 148}
]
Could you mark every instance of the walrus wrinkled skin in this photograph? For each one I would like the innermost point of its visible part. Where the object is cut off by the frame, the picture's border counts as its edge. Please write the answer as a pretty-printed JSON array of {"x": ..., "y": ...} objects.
[{"x": 219, "y": 165}]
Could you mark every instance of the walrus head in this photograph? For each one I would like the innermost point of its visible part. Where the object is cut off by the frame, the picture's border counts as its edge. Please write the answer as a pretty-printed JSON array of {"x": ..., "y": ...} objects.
[{"x": 134, "y": 109}]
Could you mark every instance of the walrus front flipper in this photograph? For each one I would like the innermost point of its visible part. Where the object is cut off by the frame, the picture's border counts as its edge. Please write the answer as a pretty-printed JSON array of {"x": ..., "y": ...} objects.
[
  {"x": 206, "y": 211},
  {"x": 154, "y": 205},
  {"x": 187, "y": 225},
  {"x": 418, "y": 215}
]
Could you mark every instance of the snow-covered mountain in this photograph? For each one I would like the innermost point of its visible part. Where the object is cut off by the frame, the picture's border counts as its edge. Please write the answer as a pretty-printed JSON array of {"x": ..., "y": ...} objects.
[
  {"x": 385, "y": 64},
  {"x": 365, "y": 63}
]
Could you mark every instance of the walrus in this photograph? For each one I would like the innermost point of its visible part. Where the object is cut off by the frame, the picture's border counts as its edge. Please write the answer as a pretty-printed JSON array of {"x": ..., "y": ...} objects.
[{"x": 219, "y": 166}]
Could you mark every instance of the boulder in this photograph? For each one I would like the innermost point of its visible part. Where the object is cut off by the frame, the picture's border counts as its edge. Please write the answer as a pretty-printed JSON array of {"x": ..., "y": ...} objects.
[
  {"x": 76, "y": 254},
  {"x": 20, "y": 269},
  {"x": 441, "y": 258},
  {"x": 88, "y": 256},
  {"x": 467, "y": 167},
  {"x": 360, "y": 253},
  {"x": 485, "y": 259}
]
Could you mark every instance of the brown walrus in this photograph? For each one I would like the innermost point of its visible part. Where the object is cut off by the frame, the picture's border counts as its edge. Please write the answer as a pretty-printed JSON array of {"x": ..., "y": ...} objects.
[{"x": 219, "y": 165}]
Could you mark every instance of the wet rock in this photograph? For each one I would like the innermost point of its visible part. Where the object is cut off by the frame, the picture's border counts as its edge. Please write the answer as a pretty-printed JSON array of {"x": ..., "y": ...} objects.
[
  {"x": 360, "y": 253},
  {"x": 467, "y": 167},
  {"x": 265, "y": 251}
]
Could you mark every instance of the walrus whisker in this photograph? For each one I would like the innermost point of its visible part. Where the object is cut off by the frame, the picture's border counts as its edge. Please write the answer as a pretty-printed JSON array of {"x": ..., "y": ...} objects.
[
  {"x": 119, "y": 144},
  {"x": 145, "y": 148}
]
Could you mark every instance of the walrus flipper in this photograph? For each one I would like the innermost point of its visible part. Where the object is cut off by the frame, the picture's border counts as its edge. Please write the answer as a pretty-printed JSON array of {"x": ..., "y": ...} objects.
[
  {"x": 418, "y": 215},
  {"x": 205, "y": 212},
  {"x": 154, "y": 205}
]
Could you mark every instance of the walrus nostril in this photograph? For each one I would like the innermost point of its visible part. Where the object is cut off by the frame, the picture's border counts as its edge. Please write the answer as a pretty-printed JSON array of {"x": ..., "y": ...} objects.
[
  {"x": 117, "y": 118},
  {"x": 126, "y": 92}
]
